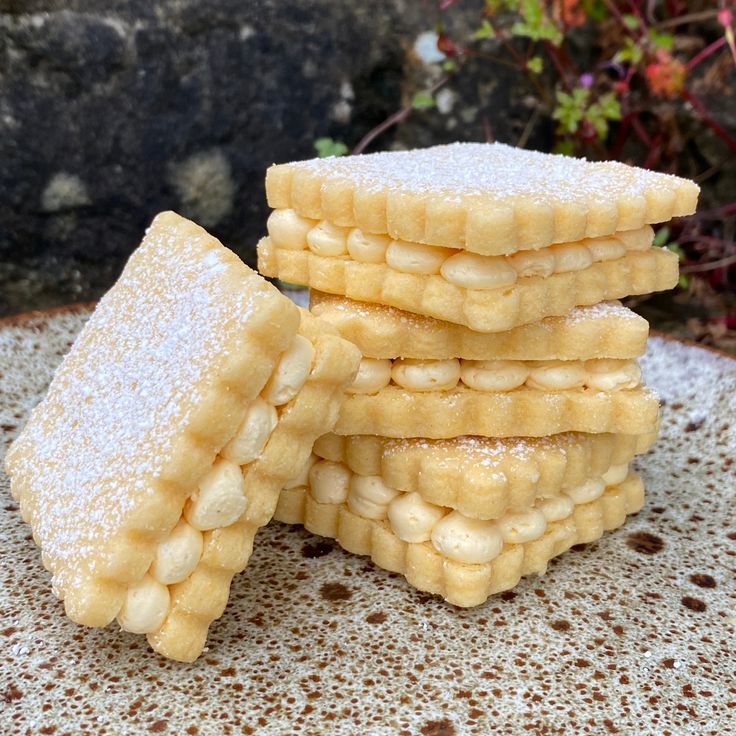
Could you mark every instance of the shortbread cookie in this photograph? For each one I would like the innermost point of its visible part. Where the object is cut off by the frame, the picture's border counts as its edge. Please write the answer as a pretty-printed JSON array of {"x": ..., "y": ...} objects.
[
  {"x": 129, "y": 471},
  {"x": 462, "y": 560},
  {"x": 481, "y": 477},
  {"x": 485, "y": 198},
  {"x": 606, "y": 330},
  {"x": 528, "y": 299},
  {"x": 523, "y": 412}
]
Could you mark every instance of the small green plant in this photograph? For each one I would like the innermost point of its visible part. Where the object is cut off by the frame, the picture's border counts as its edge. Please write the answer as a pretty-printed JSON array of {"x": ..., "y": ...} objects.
[
  {"x": 422, "y": 101},
  {"x": 329, "y": 147},
  {"x": 578, "y": 115},
  {"x": 534, "y": 23}
]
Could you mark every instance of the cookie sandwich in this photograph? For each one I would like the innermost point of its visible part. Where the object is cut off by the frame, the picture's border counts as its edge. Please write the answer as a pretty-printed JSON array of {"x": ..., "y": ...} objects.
[
  {"x": 193, "y": 393},
  {"x": 499, "y": 402}
]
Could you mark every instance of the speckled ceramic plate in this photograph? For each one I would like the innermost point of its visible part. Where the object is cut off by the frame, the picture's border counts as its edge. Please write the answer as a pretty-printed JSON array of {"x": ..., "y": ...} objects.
[{"x": 632, "y": 635}]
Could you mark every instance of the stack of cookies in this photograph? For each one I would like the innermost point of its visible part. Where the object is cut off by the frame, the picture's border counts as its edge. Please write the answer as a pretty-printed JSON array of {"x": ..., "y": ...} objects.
[
  {"x": 463, "y": 297},
  {"x": 498, "y": 403}
]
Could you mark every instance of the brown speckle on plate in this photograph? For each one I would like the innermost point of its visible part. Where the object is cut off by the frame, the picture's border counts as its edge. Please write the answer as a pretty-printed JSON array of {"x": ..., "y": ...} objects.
[
  {"x": 438, "y": 728},
  {"x": 694, "y": 604},
  {"x": 645, "y": 542},
  {"x": 703, "y": 581},
  {"x": 318, "y": 549},
  {"x": 335, "y": 592}
]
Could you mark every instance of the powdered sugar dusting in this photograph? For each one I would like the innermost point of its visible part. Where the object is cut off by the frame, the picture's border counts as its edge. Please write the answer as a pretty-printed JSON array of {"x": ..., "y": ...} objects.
[
  {"x": 365, "y": 310},
  {"x": 496, "y": 170},
  {"x": 599, "y": 311},
  {"x": 128, "y": 388},
  {"x": 488, "y": 451}
]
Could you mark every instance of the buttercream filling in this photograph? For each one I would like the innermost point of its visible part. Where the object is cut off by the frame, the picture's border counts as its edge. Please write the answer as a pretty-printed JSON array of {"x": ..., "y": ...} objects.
[
  {"x": 468, "y": 270},
  {"x": 496, "y": 375},
  {"x": 454, "y": 535}
]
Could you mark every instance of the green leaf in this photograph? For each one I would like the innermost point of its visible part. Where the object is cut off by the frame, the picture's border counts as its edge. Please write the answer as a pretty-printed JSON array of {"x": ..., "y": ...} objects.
[
  {"x": 533, "y": 12},
  {"x": 536, "y": 24},
  {"x": 598, "y": 120},
  {"x": 662, "y": 236},
  {"x": 570, "y": 109},
  {"x": 599, "y": 113},
  {"x": 684, "y": 281},
  {"x": 422, "y": 101},
  {"x": 564, "y": 101},
  {"x": 544, "y": 32},
  {"x": 492, "y": 7},
  {"x": 631, "y": 21},
  {"x": 574, "y": 107},
  {"x": 535, "y": 64},
  {"x": 555, "y": 35},
  {"x": 631, "y": 52},
  {"x": 661, "y": 40},
  {"x": 486, "y": 30},
  {"x": 610, "y": 106},
  {"x": 329, "y": 147},
  {"x": 449, "y": 65},
  {"x": 580, "y": 96}
]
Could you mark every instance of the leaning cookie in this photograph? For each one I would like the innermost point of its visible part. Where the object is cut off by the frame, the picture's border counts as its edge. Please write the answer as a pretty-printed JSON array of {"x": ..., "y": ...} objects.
[
  {"x": 482, "y": 477},
  {"x": 129, "y": 471},
  {"x": 442, "y": 551}
]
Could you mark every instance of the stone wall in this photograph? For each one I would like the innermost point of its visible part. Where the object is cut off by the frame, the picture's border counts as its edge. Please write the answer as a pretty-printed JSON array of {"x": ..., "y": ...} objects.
[{"x": 110, "y": 112}]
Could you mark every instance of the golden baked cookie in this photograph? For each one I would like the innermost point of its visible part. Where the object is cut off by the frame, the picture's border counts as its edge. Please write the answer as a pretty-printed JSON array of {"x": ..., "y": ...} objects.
[
  {"x": 497, "y": 309},
  {"x": 605, "y": 330},
  {"x": 527, "y": 412},
  {"x": 159, "y": 447},
  {"x": 485, "y": 198},
  {"x": 463, "y": 560},
  {"x": 483, "y": 477}
]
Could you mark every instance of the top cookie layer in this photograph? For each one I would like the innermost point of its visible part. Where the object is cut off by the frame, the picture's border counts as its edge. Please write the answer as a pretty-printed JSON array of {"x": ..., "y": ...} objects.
[
  {"x": 486, "y": 198},
  {"x": 157, "y": 382}
]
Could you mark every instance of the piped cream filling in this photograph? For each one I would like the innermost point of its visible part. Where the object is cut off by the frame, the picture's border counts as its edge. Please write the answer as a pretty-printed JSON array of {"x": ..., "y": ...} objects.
[
  {"x": 468, "y": 270},
  {"x": 451, "y": 533},
  {"x": 600, "y": 374},
  {"x": 220, "y": 498}
]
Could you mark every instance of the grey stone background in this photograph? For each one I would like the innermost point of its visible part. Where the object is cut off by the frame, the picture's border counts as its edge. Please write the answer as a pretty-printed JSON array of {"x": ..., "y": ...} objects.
[{"x": 112, "y": 111}]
